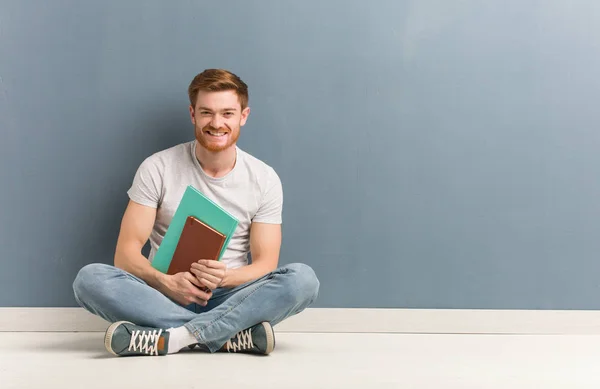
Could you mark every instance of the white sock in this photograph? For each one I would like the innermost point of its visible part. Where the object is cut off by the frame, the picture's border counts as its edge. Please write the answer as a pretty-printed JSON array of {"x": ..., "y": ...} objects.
[{"x": 179, "y": 338}]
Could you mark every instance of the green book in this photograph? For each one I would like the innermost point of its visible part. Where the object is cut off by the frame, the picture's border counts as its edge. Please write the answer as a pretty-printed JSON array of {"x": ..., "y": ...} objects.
[{"x": 193, "y": 203}]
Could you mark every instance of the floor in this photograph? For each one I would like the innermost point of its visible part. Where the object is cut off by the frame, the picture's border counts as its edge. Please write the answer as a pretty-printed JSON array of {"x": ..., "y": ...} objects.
[{"x": 78, "y": 360}]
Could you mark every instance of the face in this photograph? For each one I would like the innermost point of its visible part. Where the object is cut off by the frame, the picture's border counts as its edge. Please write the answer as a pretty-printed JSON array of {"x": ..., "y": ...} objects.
[{"x": 217, "y": 119}]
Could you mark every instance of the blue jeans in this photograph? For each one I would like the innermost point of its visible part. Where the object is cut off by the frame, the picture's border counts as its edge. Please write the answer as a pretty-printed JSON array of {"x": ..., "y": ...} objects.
[{"x": 116, "y": 295}]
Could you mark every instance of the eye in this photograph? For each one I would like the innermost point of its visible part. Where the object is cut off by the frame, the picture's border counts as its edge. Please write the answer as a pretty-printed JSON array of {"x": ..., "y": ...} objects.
[
  {"x": 204, "y": 113},
  {"x": 228, "y": 114}
]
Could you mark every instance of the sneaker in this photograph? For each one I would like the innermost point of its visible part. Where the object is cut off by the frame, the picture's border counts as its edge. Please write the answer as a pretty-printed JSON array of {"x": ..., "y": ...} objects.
[
  {"x": 124, "y": 338},
  {"x": 259, "y": 339}
]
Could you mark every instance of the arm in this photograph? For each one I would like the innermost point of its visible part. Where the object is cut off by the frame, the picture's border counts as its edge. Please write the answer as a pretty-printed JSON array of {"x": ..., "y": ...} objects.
[
  {"x": 265, "y": 244},
  {"x": 265, "y": 236},
  {"x": 136, "y": 227}
]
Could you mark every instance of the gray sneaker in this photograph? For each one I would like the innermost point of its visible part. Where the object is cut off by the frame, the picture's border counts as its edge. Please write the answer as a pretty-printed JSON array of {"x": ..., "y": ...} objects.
[
  {"x": 259, "y": 339},
  {"x": 124, "y": 338}
]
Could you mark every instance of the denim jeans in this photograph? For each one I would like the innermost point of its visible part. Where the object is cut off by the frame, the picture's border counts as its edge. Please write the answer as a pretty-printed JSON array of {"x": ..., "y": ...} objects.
[{"x": 116, "y": 295}]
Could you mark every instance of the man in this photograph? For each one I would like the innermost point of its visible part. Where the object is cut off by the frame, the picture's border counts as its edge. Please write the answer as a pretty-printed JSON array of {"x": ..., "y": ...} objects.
[{"x": 226, "y": 305}]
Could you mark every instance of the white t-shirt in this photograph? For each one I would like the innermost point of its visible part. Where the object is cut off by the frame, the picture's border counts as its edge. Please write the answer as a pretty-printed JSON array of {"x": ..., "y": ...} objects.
[{"x": 251, "y": 192}]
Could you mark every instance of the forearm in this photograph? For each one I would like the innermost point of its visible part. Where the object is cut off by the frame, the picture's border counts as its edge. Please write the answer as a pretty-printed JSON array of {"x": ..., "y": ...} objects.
[
  {"x": 244, "y": 274},
  {"x": 135, "y": 263}
]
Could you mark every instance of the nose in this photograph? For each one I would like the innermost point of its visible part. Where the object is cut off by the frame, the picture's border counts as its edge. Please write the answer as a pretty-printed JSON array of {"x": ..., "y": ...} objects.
[{"x": 216, "y": 122}]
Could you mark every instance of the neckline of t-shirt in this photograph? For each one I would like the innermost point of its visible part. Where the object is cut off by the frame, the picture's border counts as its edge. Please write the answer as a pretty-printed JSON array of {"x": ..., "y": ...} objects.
[{"x": 210, "y": 178}]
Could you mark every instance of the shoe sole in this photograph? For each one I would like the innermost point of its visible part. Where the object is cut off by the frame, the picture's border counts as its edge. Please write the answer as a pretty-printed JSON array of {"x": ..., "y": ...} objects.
[
  {"x": 270, "y": 337},
  {"x": 109, "y": 334}
]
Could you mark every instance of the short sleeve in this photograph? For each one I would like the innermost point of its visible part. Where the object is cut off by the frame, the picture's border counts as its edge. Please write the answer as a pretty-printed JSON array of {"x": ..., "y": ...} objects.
[
  {"x": 147, "y": 184},
  {"x": 271, "y": 206}
]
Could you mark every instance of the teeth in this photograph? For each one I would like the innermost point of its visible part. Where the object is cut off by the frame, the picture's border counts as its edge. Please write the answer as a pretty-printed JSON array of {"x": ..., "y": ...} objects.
[{"x": 216, "y": 133}]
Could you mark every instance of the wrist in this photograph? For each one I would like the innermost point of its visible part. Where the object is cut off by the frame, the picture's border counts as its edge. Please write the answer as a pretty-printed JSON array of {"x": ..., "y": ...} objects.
[
  {"x": 225, "y": 281},
  {"x": 161, "y": 281}
]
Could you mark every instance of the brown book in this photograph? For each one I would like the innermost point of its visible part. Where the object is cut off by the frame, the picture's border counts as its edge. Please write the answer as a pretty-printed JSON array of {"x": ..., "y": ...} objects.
[{"x": 197, "y": 241}]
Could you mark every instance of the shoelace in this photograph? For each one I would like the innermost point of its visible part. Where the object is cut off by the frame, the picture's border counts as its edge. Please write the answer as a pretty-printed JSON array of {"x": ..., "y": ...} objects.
[
  {"x": 243, "y": 341},
  {"x": 147, "y": 341}
]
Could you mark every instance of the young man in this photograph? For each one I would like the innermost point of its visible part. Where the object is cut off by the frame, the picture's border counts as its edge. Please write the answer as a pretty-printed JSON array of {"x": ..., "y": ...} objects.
[{"x": 158, "y": 314}]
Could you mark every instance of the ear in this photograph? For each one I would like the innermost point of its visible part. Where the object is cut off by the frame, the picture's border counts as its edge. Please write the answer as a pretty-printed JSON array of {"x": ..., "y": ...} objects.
[
  {"x": 193, "y": 115},
  {"x": 245, "y": 113}
]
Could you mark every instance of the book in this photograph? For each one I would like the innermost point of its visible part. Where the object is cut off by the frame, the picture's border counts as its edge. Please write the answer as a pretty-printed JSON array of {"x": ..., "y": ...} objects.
[
  {"x": 193, "y": 203},
  {"x": 197, "y": 241}
]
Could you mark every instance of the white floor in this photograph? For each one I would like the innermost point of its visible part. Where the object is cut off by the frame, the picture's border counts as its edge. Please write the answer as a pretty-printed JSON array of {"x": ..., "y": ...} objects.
[{"x": 309, "y": 360}]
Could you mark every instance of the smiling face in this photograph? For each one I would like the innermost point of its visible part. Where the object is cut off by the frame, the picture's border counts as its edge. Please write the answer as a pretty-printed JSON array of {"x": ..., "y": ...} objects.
[{"x": 217, "y": 118}]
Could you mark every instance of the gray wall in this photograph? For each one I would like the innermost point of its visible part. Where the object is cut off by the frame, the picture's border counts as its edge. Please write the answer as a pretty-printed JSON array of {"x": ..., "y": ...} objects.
[{"x": 434, "y": 154}]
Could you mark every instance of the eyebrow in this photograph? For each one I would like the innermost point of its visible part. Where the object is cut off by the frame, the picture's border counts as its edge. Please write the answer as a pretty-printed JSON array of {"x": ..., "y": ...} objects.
[{"x": 224, "y": 109}]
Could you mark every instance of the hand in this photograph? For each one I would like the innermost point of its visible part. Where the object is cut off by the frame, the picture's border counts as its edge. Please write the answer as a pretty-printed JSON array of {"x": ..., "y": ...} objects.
[
  {"x": 209, "y": 273},
  {"x": 185, "y": 289}
]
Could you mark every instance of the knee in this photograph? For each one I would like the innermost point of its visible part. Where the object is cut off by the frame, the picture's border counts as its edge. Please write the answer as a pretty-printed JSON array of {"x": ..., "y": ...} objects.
[
  {"x": 303, "y": 281},
  {"x": 88, "y": 280}
]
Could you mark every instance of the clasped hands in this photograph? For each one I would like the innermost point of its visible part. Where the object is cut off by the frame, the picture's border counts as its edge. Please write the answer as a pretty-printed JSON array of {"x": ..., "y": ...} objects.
[
  {"x": 196, "y": 286},
  {"x": 209, "y": 273}
]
